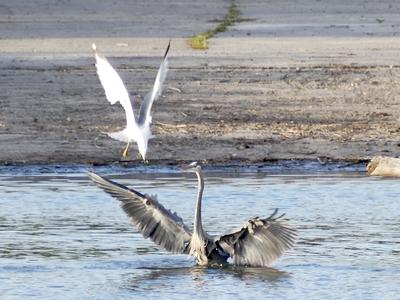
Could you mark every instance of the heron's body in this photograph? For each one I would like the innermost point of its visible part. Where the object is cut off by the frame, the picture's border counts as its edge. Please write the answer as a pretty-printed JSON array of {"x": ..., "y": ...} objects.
[
  {"x": 115, "y": 90},
  {"x": 257, "y": 243}
]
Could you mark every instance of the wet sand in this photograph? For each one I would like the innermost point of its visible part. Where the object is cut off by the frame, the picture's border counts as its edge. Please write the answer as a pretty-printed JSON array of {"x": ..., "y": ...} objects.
[{"x": 310, "y": 81}]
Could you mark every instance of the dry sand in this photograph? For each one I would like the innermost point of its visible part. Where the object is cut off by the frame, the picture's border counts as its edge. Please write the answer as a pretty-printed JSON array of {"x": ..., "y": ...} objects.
[{"x": 298, "y": 80}]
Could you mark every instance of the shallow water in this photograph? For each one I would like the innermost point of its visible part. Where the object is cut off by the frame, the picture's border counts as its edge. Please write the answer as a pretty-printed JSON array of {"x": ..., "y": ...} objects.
[{"x": 61, "y": 237}]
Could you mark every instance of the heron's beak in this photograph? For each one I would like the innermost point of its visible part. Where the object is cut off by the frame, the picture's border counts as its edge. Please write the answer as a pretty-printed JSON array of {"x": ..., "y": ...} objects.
[{"x": 187, "y": 168}]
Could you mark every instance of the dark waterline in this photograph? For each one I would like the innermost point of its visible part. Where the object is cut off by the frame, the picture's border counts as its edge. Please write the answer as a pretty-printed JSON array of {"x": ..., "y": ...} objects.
[{"x": 275, "y": 167}]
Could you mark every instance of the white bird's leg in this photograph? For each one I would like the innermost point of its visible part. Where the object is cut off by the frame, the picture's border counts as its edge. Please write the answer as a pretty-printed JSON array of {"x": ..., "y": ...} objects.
[{"x": 125, "y": 153}]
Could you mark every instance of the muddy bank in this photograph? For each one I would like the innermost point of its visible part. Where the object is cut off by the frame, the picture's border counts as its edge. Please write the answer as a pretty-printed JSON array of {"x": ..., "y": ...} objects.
[{"x": 56, "y": 114}]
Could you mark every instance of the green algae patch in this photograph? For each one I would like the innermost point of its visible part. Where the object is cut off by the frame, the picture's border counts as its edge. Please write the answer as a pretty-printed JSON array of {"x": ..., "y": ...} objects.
[{"x": 200, "y": 41}]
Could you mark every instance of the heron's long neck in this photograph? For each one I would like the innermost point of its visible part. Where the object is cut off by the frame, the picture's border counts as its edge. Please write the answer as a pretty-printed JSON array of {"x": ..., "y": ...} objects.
[{"x": 198, "y": 227}]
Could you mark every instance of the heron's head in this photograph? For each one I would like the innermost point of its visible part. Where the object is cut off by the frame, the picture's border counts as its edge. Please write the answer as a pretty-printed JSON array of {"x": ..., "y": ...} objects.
[{"x": 193, "y": 167}]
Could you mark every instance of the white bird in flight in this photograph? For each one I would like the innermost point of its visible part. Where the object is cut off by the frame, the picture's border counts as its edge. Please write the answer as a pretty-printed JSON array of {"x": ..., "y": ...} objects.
[{"x": 115, "y": 90}]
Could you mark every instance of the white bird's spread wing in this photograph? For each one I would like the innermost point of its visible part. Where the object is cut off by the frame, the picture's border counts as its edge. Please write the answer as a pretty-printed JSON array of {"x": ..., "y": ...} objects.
[
  {"x": 114, "y": 87},
  {"x": 259, "y": 242},
  {"x": 154, "y": 94},
  {"x": 149, "y": 216}
]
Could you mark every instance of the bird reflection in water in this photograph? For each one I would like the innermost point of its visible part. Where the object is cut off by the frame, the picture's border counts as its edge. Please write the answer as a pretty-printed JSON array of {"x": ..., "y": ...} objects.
[{"x": 199, "y": 276}]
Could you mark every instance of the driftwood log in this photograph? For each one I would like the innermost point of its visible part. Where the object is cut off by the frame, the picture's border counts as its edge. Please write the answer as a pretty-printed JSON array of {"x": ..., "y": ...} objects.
[{"x": 384, "y": 166}]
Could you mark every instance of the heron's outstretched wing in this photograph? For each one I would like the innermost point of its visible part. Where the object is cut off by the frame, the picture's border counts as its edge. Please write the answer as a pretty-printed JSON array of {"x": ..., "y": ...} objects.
[
  {"x": 113, "y": 86},
  {"x": 150, "y": 217},
  {"x": 259, "y": 242},
  {"x": 154, "y": 94}
]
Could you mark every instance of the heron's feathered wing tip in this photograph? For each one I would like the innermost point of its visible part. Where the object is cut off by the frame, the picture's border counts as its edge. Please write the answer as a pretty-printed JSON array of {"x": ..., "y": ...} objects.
[
  {"x": 94, "y": 177},
  {"x": 152, "y": 219},
  {"x": 259, "y": 242},
  {"x": 101, "y": 181},
  {"x": 97, "y": 179},
  {"x": 112, "y": 187},
  {"x": 166, "y": 51}
]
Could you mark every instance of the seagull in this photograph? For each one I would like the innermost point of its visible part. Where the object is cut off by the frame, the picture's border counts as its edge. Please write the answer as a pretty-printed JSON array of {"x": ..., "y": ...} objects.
[
  {"x": 257, "y": 243},
  {"x": 115, "y": 90}
]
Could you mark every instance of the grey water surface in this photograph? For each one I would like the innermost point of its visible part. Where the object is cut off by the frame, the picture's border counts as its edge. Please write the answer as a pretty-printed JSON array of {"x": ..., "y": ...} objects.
[{"x": 61, "y": 237}]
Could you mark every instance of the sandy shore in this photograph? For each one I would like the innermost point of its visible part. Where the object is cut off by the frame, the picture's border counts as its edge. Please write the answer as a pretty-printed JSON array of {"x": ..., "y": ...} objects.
[{"x": 318, "y": 80}]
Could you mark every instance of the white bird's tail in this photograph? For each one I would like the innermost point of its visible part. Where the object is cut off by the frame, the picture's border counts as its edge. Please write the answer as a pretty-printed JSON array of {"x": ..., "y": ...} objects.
[{"x": 120, "y": 136}]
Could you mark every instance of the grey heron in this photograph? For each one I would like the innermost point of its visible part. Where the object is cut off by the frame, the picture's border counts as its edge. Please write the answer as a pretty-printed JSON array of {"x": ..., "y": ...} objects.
[
  {"x": 115, "y": 90},
  {"x": 258, "y": 243}
]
